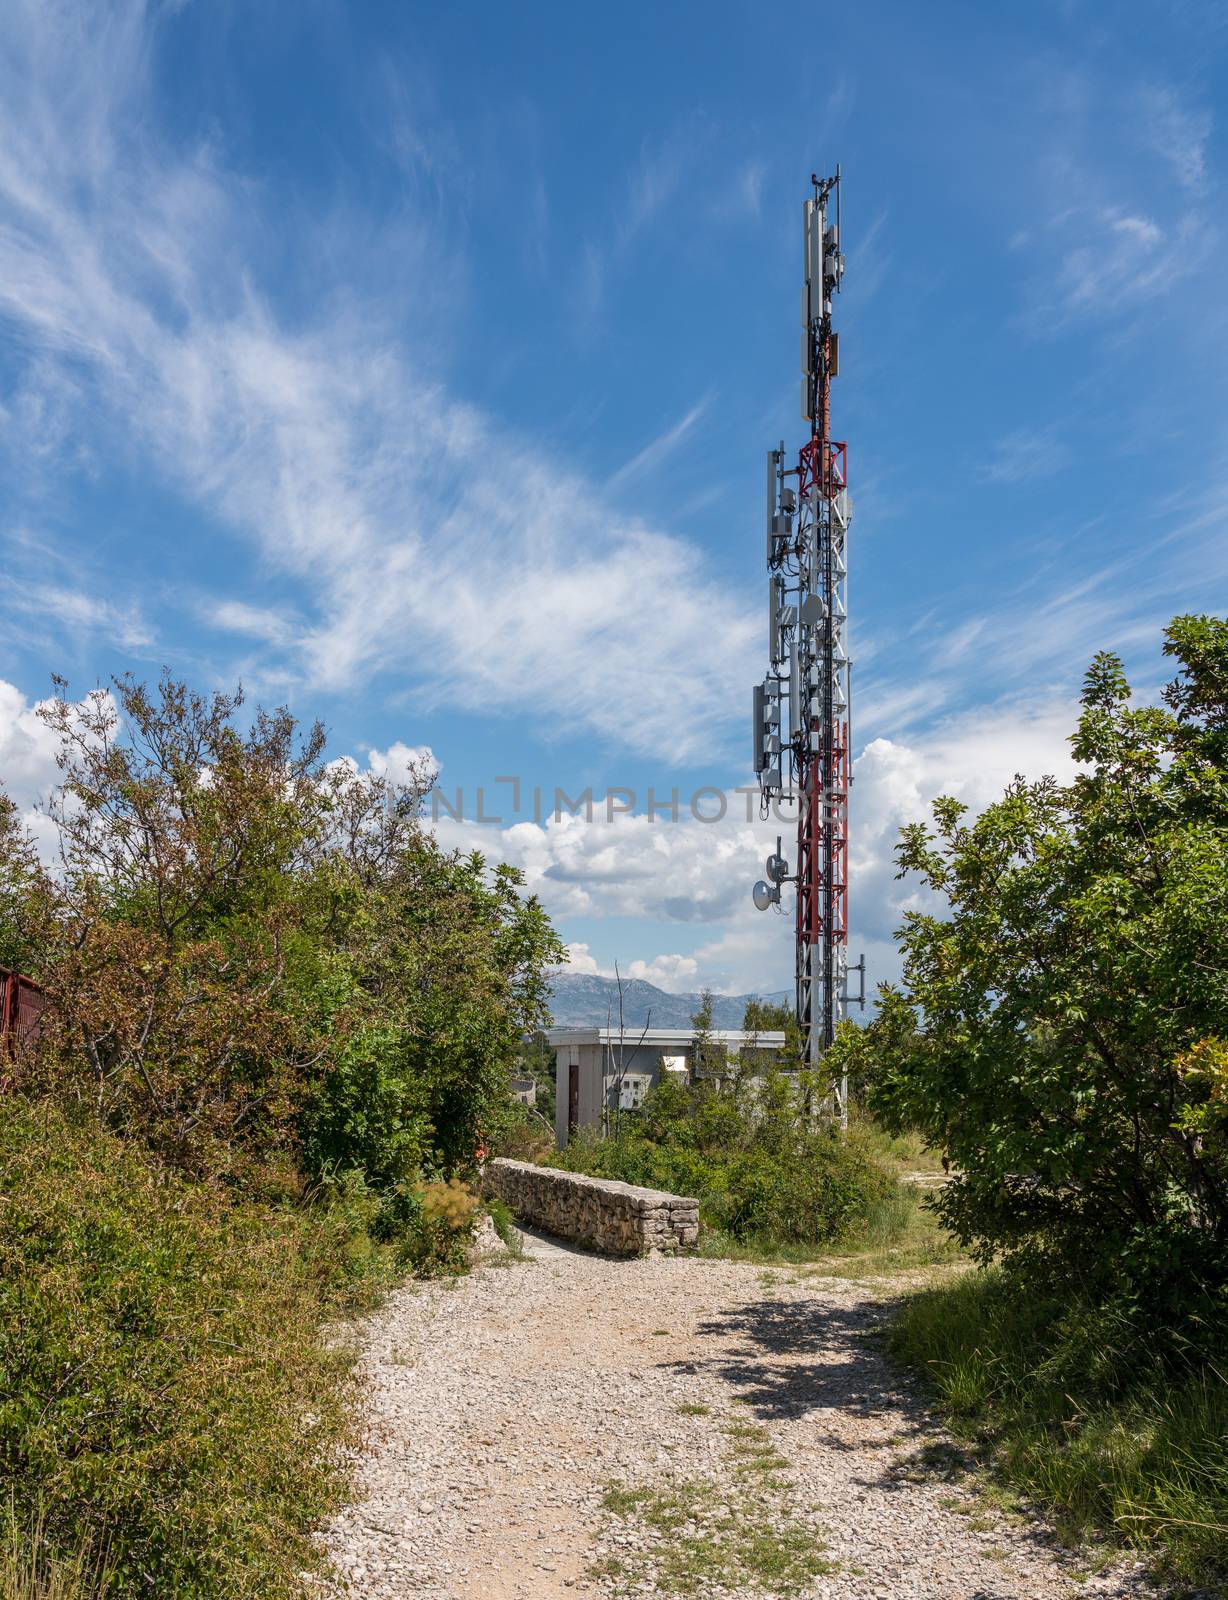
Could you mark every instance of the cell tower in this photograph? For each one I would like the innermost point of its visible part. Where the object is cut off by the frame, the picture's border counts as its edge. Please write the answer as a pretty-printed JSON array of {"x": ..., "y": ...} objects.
[{"x": 802, "y": 707}]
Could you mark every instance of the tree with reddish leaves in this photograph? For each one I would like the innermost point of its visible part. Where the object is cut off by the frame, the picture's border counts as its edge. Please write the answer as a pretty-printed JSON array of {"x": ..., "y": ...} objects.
[{"x": 258, "y": 957}]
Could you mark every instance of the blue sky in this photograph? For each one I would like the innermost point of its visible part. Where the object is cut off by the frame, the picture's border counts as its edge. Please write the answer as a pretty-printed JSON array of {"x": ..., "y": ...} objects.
[{"x": 415, "y": 365}]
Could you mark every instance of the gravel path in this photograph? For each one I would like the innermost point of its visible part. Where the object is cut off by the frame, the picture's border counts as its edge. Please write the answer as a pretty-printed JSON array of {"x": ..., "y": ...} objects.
[{"x": 727, "y": 1400}]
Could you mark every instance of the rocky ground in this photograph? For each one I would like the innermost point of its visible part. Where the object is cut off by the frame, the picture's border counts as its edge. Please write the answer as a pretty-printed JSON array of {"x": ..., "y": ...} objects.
[{"x": 569, "y": 1424}]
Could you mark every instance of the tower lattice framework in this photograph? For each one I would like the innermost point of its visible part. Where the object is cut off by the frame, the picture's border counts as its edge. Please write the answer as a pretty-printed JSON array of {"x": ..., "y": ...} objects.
[{"x": 802, "y": 707}]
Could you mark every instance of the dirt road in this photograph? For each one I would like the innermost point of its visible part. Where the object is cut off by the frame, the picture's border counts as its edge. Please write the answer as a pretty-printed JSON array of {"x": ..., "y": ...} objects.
[{"x": 573, "y": 1425}]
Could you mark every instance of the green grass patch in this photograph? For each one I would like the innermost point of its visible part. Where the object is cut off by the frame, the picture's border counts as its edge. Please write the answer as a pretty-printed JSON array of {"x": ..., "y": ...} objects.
[
  {"x": 732, "y": 1538},
  {"x": 169, "y": 1410},
  {"x": 899, "y": 1152},
  {"x": 738, "y": 1532},
  {"x": 1107, "y": 1433}
]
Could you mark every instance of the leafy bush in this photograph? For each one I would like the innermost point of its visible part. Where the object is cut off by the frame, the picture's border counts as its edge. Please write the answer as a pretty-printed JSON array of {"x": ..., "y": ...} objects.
[
  {"x": 434, "y": 1226},
  {"x": 763, "y": 1170},
  {"x": 166, "y": 1400},
  {"x": 1084, "y": 1410},
  {"x": 1062, "y": 1028},
  {"x": 258, "y": 958}
]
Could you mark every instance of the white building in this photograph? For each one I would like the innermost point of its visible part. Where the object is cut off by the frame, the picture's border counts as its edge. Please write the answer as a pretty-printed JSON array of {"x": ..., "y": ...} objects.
[{"x": 587, "y": 1062}]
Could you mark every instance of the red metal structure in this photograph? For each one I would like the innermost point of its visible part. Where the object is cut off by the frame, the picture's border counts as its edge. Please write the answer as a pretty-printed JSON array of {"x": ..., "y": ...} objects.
[
  {"x": 806, "y": 757},
  {"x": 22, "y": 1003}
]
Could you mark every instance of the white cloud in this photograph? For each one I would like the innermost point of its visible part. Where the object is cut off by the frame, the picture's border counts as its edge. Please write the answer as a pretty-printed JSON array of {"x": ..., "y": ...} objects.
[
  {"x": 740, "y": 197},
  {"x": 1178, "y": 133},
  {"x": 653, "y": 454},
  {"x": 1027, "y": 454},
  {"x": 655, "y": 180},
  {"x": 580, "y": 960},
  {"x": 432, "y": 543},
  {"x": 693, "y": 874},
  {"x": 76, "y": 612},
  {"x": 257, "y": 622},
  {"x": 404, "y": 763},
  {"x": 973, "y": 758},
  {"x": 675, "y": 974},
  {"x": 1113, "y": 235},
  {"x": 27, "y": 749},
  {"x": 29, "y": 770},
  {"x": 699, "y": 875}
]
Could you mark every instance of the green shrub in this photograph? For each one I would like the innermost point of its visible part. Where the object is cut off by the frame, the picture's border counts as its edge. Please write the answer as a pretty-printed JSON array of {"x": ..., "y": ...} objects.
[
  {"x": 1061, "y": 1031},
  {"x": 437, "y": 1227},
  {"x": 292, "y": 1016},
  {"x": 166, "y": 1401},
  {"x": 806, "y": 1196},
  {"x": 1106, "y": 1425},
  {"x": 763, "y": 1171},
  {"x": 289, "y": 965}
]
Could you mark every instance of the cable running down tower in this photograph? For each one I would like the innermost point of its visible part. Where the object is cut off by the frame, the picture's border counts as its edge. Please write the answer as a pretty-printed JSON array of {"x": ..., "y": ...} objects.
[{"x": 802, "y": 707}]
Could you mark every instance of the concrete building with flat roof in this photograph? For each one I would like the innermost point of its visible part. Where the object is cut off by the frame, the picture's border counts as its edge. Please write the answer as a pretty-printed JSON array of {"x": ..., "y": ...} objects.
[{"x": 596, "y": 1070}]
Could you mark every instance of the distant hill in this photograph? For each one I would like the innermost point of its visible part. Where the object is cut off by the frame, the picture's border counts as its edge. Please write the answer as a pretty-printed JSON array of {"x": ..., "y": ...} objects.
[{"x": 581, "y": 1001}]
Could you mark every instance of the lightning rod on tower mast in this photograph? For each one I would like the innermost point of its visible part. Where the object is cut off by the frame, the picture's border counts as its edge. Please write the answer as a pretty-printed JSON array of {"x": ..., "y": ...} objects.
[{"x": 802, "y": 708}]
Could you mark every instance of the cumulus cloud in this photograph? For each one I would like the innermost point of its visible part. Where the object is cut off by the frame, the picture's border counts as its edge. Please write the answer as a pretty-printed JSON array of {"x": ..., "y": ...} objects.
[
  {"x": 698, "y": 875},
  {"x": 674, "y": 973},
  {"x": 689, "y": 874},
  {"x": 405, "y": 763},
  {"x": 28, "y": 767},
  {"x": 582, "y": 961},
  {"x": 27, "y": 749}
]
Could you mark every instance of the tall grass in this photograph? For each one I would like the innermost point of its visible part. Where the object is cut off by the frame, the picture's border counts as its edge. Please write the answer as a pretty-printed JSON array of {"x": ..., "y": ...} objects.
[
  {"x": 1108, "y": 1431},
  {"x": 29, "y": 1571}
]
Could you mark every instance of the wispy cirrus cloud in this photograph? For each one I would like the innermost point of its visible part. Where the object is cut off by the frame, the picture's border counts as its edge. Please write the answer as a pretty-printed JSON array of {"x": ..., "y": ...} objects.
[
  {"x": 655, "y": 179},
  {"x": 739, "y": 197},
  {"x": 1025, "y": 454},
  {"x": 1178, "y": 132},
  {"x": 422, "y": 540},
  {"x": 647, "y": 460},
  {"x": 263, "y": 623},
  {"x": 1115, "y": 236},
  {"x": 649, "y": 187}
]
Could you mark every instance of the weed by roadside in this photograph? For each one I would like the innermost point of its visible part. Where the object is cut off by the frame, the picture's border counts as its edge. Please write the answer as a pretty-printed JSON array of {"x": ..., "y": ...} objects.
[
  {"x": 504, "y": 1222},
  {"x": 739, "y": 1531},
  {"x": 1069, "y": 1411}
]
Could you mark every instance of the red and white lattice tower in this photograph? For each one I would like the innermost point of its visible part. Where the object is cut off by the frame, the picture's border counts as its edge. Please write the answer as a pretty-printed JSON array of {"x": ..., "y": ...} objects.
[{"x": 802, "y": 707}]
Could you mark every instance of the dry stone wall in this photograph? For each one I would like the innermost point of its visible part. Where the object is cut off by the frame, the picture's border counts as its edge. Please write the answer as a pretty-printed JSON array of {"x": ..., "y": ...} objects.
[{"x": 618, "y": 1219}]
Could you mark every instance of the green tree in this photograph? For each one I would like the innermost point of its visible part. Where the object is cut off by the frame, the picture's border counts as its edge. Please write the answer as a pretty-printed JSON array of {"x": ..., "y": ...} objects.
[
  {"x": 708, "y": 1054},
  {"x": 1061, "y": 1032},
  {"x": 26, "y": 896},
  {"x": 766, "y": 1016}
]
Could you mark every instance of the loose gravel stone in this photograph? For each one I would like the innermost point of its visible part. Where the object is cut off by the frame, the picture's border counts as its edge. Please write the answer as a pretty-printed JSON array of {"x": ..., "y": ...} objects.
[{"x": 502, "y": 1409}]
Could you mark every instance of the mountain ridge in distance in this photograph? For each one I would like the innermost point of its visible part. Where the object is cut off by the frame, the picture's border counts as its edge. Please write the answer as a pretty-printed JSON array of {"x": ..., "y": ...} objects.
[{"x": 583, "y": 1000}]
